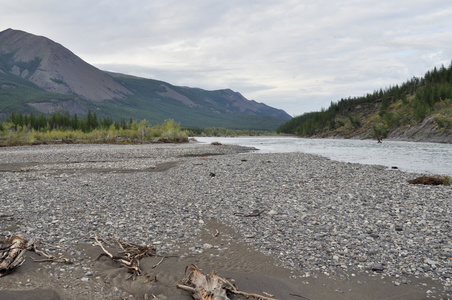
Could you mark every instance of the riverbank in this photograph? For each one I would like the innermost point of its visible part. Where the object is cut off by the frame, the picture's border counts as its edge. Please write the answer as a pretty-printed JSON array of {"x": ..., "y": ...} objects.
[{"x": 287, "y": 223}]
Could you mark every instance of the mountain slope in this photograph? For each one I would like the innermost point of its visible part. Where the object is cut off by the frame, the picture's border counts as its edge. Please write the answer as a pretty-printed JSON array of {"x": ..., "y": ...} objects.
[
  {"x": 418, "y": 110},
  {"x": 37, "y": 74},
  {"x": 54, "y": 68}
]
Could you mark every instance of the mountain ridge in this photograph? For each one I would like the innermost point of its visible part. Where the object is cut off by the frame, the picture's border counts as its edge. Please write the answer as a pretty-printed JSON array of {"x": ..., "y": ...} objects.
[{"x": 63, "y": 81}]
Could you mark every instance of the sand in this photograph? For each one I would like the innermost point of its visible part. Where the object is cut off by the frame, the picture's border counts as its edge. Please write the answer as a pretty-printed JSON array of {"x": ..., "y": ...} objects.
[{"x": 250, "y": 270}]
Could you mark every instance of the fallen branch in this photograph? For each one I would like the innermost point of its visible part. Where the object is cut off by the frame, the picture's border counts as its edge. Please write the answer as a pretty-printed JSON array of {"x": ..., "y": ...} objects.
[
  {"x": 49, "y": 258},
  {"x": 133, "y": 254},
  {"x": 157, "y": 264},
  {"x": 211, "y": 286}
]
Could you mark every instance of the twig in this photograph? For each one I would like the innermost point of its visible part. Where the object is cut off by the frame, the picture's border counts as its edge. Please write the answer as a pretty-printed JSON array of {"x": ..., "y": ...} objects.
[
  {"x": 133, "y": 255},
  {"x": 100, "y": 245},
  {"x": 49, "y": 258},
  {"x": 186, "y": 288},
  {"x": 154, "y": 266},
  {"x": 295, "y": 295}
]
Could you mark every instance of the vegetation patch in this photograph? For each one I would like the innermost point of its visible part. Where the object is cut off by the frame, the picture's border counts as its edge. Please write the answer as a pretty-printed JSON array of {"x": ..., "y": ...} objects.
[
  {"x": 431, "y": 180},
  {"x": 377, "y": 114},
  {"x": 29, "y": 129}
]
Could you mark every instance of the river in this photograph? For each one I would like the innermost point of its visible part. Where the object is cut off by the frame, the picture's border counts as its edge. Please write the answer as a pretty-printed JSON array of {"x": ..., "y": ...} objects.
[{"x": 416, "y": 157}]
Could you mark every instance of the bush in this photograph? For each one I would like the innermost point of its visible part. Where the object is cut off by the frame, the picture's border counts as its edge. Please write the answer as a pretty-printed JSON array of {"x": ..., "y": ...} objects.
[
  {"x": 447, "y": 180},
  {"x": 443, "y": 122}
]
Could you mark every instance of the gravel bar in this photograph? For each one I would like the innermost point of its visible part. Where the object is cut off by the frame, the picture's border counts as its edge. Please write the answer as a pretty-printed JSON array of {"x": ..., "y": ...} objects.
[{"x": 312, "y": 214}]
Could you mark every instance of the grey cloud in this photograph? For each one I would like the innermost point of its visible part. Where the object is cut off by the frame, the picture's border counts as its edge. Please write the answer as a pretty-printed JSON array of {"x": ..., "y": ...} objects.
[{"x": 295, "y": 55}]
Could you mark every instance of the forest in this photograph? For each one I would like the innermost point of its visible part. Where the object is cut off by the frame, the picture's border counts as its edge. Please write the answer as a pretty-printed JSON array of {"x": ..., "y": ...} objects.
[
  {"x": 61, "y": 127},
  {"x": 384, "y": 109}
]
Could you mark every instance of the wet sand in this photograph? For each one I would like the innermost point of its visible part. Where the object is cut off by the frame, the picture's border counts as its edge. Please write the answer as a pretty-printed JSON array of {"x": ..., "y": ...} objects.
[{"x": 250, "y": 270}]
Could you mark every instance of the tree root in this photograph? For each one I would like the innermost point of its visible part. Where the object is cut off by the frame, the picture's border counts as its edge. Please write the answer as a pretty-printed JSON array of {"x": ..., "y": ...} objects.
[{"x": 211, "y": 286}]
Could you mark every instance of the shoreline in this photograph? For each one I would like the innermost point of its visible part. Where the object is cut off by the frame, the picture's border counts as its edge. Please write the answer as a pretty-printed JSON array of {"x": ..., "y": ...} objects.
[{"x": 314, "y": 214}]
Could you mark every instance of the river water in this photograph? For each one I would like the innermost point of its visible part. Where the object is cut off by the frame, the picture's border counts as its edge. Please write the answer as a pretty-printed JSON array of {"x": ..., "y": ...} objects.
[{"x": 426, "y": 158}]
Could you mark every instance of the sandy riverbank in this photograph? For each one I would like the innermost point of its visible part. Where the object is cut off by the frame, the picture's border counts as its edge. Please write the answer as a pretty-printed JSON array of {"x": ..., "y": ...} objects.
[{"x": 326, "y": 230}]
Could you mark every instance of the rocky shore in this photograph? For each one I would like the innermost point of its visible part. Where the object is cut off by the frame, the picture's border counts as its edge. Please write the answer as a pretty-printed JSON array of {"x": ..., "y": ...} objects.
[{"x": 325, "y": 226}]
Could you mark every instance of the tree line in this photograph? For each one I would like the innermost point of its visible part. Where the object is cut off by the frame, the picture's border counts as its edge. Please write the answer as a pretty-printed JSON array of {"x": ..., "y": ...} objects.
[
  {"x": 64, "y": 121},
  {"x": 419, "y": 95}
]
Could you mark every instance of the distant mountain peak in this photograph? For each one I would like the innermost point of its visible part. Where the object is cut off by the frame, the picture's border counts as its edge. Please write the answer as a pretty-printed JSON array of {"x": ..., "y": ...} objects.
[{"x": 54, "y": 68}]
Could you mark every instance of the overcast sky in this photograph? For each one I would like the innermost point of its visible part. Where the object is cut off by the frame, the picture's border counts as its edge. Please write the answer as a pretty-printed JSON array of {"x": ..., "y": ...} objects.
[{"x": 295, "y": 55}]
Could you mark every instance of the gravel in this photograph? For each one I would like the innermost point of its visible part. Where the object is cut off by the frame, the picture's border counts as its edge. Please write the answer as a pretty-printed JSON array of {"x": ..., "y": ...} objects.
[{"x": 312, "y": 214}]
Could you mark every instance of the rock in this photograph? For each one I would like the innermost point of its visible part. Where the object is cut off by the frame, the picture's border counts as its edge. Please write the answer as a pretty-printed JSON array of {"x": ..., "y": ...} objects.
[
  {"x": 273, "y": 212},
  {"x": 398, "y": 228},
  {"x": 207, "y": 246},
  {"x": 431, "y": 262},
  {"x": 377, "y": 268}
]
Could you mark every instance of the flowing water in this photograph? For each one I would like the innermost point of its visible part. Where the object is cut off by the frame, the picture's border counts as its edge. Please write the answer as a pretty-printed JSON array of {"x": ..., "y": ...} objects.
[{"x": 428, "y": 158}]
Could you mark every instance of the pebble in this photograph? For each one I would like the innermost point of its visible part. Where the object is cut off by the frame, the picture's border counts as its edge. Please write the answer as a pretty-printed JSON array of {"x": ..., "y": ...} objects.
[{"x": 319, "y": 214}]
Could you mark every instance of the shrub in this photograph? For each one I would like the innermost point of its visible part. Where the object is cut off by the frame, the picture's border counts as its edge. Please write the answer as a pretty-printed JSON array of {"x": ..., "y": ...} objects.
[
  {"x": 443, "y": 122},
  {"x": 447, "y": 180}
]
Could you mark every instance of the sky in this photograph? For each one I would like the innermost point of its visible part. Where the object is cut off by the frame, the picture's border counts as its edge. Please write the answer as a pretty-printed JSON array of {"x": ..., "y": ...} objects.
[{"x": 298, "y": 56}]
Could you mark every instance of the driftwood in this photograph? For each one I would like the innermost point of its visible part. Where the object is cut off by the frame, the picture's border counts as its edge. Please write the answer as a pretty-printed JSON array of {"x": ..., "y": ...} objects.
[
  {"x": 49, "y": 258},
  {"x": 211, "y": 286},
  {"x": 130, "y": 256},
  {"x": 12, "y": 254}
]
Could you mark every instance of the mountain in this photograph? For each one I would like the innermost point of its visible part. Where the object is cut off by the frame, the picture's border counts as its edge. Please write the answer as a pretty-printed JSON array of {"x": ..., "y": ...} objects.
[
  {"x": 417, "y": 110},
  {"x": 37, "y": 74},
  {"x": 54, "y": 68}
]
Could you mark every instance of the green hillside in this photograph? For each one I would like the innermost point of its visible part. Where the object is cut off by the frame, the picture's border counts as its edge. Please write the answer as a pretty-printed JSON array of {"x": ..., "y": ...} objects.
[
  {"x": 16, "y": 92},
  {"x": 419, "y": 109},
  {"x": 20, "y": 95}
]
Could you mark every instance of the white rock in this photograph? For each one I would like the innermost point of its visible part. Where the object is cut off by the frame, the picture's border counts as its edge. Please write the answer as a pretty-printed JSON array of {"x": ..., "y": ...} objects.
[{"x": 207, "y": 246}]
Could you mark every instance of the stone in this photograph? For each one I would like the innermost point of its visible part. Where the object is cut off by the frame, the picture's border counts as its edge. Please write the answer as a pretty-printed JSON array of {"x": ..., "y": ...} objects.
[{"x": 377, "y": 268}]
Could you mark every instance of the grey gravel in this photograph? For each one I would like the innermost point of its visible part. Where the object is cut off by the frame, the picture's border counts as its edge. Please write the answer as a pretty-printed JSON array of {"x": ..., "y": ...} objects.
[{"x": 318, "y": 215}]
